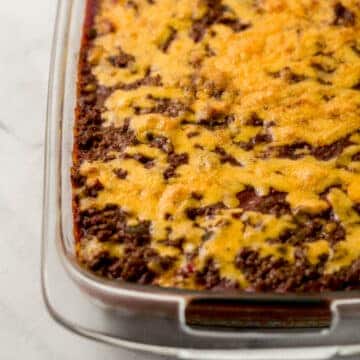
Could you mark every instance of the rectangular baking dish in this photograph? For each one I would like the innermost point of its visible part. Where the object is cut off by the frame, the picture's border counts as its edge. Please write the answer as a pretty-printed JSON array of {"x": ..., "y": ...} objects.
[{"x": 187, "y": 324}]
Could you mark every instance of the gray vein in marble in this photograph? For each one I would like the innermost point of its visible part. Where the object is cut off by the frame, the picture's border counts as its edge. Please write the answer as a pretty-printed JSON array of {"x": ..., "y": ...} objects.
[
  {"x": 9, "y": 132},
  {"x": 4, "y": 128}
]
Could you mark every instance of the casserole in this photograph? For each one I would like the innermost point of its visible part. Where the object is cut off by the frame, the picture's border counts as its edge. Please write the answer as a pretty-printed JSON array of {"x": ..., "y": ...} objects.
[
  {"x": 174, "y": 322},
  {"x": 245, "y": 157}
]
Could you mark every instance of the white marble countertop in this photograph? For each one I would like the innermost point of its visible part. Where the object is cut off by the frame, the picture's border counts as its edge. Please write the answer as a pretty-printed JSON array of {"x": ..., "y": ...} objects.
[{"x": 26, "y": 330}]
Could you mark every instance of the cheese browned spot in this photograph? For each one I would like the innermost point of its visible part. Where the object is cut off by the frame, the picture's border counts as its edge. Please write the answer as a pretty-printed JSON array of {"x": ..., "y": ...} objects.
[{"x": 217, "y": 144}]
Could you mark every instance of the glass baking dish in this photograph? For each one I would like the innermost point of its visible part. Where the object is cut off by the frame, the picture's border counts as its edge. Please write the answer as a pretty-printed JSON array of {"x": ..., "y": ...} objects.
[{"x": 186, "y": 324}]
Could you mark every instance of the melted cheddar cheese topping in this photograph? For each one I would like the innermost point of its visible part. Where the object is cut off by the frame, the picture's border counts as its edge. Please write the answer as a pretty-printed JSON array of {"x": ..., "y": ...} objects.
[{"x": 246, "y": 116}]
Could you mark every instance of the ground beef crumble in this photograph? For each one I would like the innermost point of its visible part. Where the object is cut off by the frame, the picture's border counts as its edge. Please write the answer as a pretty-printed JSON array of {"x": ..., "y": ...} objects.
[
  {"x": 309, "y": 228},
  {"x": 300, "y": 149},
  {"x": 272, "y": 274},
  {"x": 216, "y": 13},
  {"x": 273, "y": 203},
  {"x": 210, "y": 278},
  {"x": 122, "y": 59},
  {"x": 175, "y": 160},
  {"x": 111, "y": 225},
  {"x": 343, "y": 16}
]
